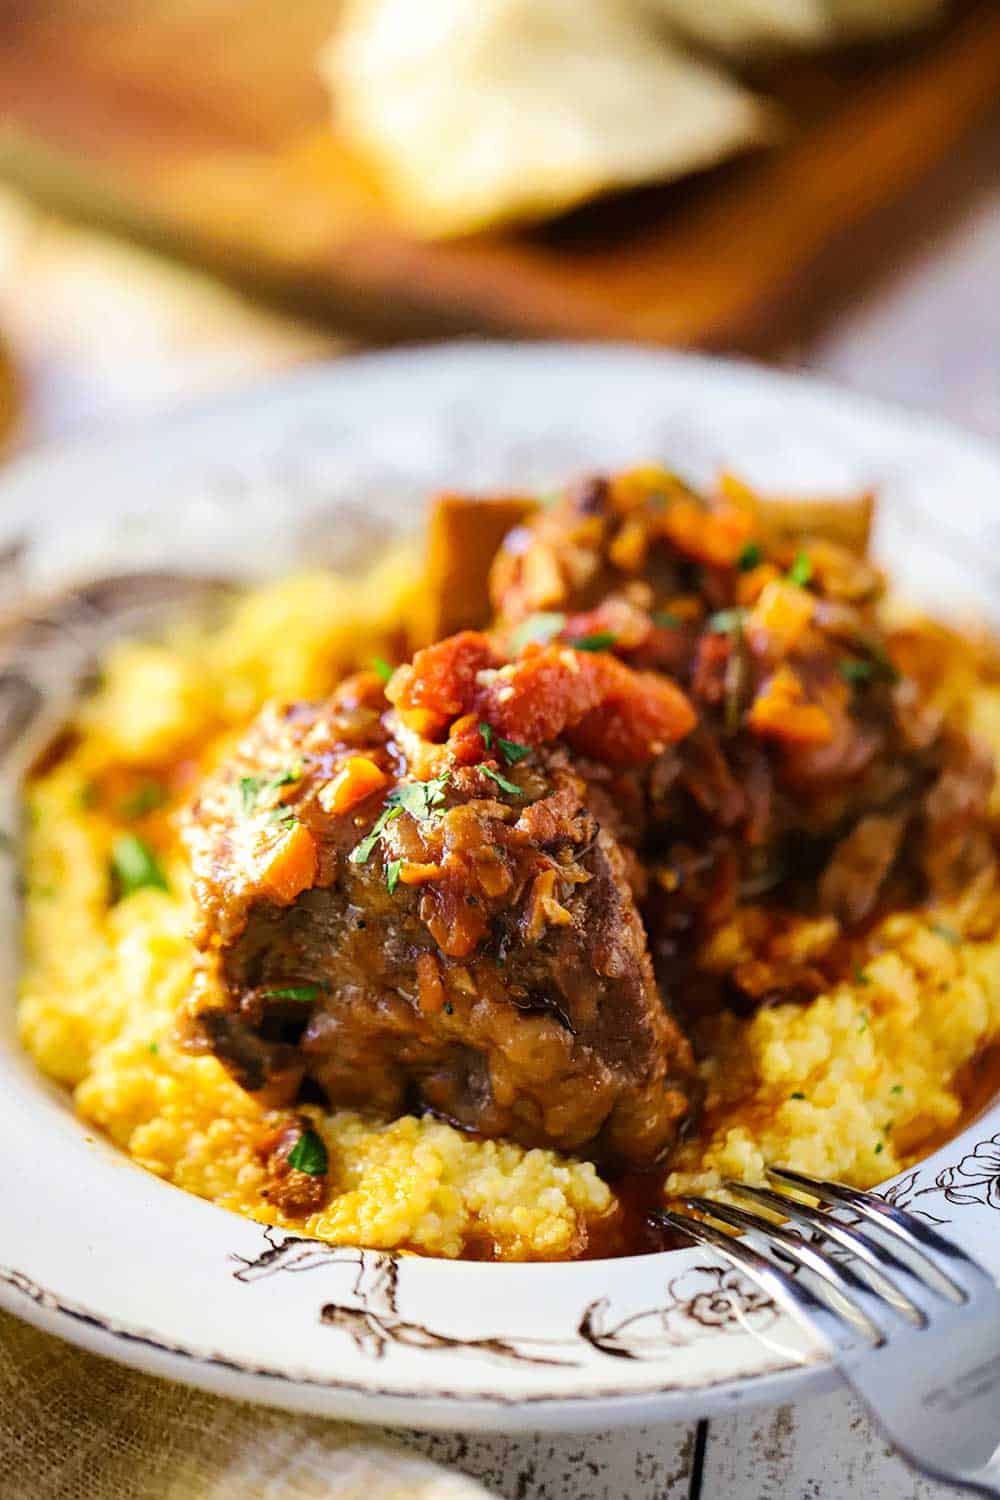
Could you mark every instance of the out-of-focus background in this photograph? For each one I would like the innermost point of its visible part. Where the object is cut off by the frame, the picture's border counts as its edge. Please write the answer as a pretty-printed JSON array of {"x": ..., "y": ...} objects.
[{"x": 194, "y": 193}]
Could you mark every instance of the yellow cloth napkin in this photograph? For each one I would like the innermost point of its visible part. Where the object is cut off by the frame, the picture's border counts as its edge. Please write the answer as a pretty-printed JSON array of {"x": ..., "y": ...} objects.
[{"x": 75, "y": 1427}]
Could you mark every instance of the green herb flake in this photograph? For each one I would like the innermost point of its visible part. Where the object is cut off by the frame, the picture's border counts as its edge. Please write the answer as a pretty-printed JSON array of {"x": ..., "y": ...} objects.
[
  {"x": 253, "y": 788},
  {"x": 948, "y": 933},
  {"x": 501, "y": 781},
  {"x": 600, "y": 640},
  {"x": 361, "y": 853},
  {"x": 392, "y": 870},
  {"x": 727, "y": 621},
  {"x": 309, "y": 1154},
  {"x": 751, "y": 557},
  {"x": 880, "y": 1148},
  {"x": 855, "y": 672},
  {"x": 154, "y": 1049},
  {"x": 486, "y": 734},
  {"x": 135, "y": 866},
  {"x": 897, "y": 1088},
  {"x": 876, "y": 667},
  {"x": 419, "y": 798},
  {"x": 801, "y": 570},
  {"x": 145, "y": 799},
  {"x": 511, "y": 751},
  {"x": 797, "y": 1095},
  {"x": 863, "y": 1022},
  {"x": 307, "y": 993},
  {"x": 382, "y": 668},
  {"x": 664, "y": 620},
  {"x": 860, "y": 977},
  {"x": 541, "y": 628}
]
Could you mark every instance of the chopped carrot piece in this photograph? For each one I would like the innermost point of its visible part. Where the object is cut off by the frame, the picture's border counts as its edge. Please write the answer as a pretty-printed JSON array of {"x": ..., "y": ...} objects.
[
  {"x": 430, "y": 990},
  {"x": 751, "y": 585},
  {"x": 357, "y": 778},
  {"x": 412, "y": 872},
  {"x": 780, "y": 711},
  {"x": 290, "y": 867},
  {"x": 782, "y": 613},
  {"x": 716, "y": 537}
]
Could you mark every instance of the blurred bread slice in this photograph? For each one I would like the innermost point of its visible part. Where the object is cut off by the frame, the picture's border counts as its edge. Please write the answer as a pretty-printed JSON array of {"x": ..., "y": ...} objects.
[
  {"x": 498, "y": 111},
  {"x": 738, "y": 27},
  {"x": 741, "y": 26},
  {"x": 877, "y": 18}
]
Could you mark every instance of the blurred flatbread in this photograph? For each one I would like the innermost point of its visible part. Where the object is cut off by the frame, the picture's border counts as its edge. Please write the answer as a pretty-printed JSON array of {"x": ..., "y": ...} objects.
[
  {"x": 511, "y": 110},
  {"x": 740, "y": 26},
  {"x": 875, "y": 18}
]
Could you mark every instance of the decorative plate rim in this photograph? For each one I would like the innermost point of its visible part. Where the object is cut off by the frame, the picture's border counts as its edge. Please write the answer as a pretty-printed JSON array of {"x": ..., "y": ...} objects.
[{"x": 964, "y": 1174}]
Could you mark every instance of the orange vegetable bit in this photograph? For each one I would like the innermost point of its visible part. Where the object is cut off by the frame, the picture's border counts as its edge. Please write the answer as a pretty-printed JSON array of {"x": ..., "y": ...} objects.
[
  {"x": 357, "y": 778},
  {"x": 716, "y": 537},
  {"x": 781, "y": 616},
  {"x": 430, "y": 990},
  {"x": 780, "y": 711},
  {"x": 290, "y": 867}
]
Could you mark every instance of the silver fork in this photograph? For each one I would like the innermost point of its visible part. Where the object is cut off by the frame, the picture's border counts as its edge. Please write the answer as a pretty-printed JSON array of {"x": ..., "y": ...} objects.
[{"x": 912, "y": 1321}]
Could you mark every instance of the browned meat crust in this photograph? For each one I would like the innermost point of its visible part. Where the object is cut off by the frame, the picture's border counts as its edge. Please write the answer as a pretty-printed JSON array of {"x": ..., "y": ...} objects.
[{"x": 483, "y": 959}]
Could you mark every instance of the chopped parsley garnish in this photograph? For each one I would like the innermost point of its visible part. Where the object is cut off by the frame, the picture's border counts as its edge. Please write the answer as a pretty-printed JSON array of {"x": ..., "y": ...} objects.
[
  {"x": 307, "y": 993},
  {"x": 751, "y": 557},
  {"x": 135, "y": 866},
  {"x": 309, "y": 1154},
  {"x": 897, "y": 1088},
  {"x": 600, "y": 640},
  {"x": 860, "y": 977},
  {"x": 145, "y": 799},
  {"x": 419, "y": 798},
  {"x": 854, "y": 671},
  {"x": 880, "y": 1148},
  {"x": 876, "y": 667},
  {"x": 392, "y": 870},
  {"x": 801, "y": 570},
  {"x": 948, "y": 933},
  {"x": 863, "y": 1022},
  {"x": 253, "y": 788},
  {"x": 797, "y": 1095},
  {"x": 664, "y": 620},
  {"x": 360, "y": 853},
  {"x": 382, "y": 667},
  {"x": 154, "y": 1049},
  {"x": 511, "y": 751},
  {"x": 542, "y": 627},
  {"x": 501, "y": 781},
  {"x": 727, "y": 621}
]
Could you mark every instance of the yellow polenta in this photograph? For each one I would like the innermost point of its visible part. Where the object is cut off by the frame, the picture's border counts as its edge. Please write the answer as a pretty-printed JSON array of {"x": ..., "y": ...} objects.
[{"x": 852, "y": 1084}]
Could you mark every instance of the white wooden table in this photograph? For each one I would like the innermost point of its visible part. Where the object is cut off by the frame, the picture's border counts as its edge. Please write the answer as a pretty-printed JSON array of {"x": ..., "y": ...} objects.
[{"x": 104, "y": 333}]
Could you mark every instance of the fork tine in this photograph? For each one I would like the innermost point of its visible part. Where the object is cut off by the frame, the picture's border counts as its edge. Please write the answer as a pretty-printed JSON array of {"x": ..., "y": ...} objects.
[
  {"x": 876, "y": 1260},
  {"x": 842, "y": 1280},
  {"x": 918, "y": 1237},
  {"x": 791, "y": 1294}
]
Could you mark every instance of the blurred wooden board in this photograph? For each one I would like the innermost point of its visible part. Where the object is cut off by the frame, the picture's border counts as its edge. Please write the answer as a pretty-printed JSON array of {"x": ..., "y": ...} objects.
[{"x": 202, "y": 125}]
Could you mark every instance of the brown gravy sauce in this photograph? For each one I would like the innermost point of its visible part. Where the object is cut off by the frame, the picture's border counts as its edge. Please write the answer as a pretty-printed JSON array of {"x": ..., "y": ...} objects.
[{"x": 626, "y": 1230}]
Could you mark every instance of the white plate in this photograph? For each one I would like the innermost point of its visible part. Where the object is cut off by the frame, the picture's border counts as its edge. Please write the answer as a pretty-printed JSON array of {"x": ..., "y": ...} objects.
[{"x": 93, "y": 1248}]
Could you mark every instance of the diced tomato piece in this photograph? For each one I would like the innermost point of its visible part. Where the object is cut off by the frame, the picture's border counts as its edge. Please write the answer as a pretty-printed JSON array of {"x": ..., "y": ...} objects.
[{"x": 442, "y": 678}]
